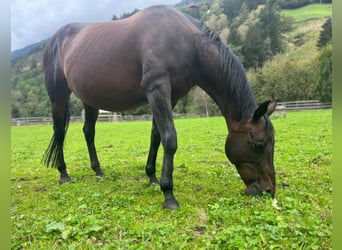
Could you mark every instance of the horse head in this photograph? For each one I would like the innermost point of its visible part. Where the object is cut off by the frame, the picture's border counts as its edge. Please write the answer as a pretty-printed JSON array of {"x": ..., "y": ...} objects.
[{"x": 250, "y": 147}]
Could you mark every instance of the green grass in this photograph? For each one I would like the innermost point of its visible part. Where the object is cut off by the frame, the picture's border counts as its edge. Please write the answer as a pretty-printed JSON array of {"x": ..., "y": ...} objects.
[
  {"x": 312, "y": 11},
  {"x": 120, "y": 211}
]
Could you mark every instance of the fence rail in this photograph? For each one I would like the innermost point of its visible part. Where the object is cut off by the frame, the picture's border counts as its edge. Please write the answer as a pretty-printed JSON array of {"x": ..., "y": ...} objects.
[
  {"x": 104, "y": 117},
  {"x": 302, "y": 105},
  {"x": 282, "y": 108}
]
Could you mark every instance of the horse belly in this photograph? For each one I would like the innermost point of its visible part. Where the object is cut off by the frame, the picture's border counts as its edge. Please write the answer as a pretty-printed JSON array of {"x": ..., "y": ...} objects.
[{"x": 110, "y": 93}]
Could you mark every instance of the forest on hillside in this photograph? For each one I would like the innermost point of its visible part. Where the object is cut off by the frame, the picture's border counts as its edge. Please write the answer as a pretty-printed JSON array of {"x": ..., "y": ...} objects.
[{"x": 285, "y": 60}]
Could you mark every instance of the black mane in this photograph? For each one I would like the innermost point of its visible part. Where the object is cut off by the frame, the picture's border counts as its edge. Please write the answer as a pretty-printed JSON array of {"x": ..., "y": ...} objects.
[{"x": 239, "y": 96}]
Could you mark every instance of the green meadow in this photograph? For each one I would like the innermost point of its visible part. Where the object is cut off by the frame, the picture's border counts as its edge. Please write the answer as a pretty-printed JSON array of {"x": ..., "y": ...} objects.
[
  {"x": 121, "y": 211},
  {"x": 308, "y": 12}
]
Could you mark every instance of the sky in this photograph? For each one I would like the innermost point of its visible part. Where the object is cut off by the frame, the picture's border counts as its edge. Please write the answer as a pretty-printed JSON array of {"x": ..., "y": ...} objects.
[{"x": 36, "y": 20}]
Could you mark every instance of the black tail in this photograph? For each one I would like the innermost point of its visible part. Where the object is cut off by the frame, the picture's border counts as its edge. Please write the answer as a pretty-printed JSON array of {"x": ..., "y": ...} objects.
[{"x": 54, "y": 153}]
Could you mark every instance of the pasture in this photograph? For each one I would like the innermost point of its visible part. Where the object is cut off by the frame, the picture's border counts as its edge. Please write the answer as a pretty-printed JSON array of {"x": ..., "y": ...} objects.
[
  {"x": 121, "y": 211},
  {"x": 312, "y": 11}
]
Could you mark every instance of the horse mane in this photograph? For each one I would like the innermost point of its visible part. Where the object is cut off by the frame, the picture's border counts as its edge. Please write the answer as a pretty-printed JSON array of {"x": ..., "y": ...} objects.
[{"x": 241, "y": 100}]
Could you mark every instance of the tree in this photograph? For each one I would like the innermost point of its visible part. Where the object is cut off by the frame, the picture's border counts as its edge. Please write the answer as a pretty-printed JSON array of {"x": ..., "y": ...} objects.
[
  {"x": 231, "y": 8},
  {"x": 193, "y": 10},
  {"x": 325, "y": 35},
  {"x": 323, "y": 86},
  {"x": 202, "y": 104},
  {"x": 274, "y": 26},
  {"x": 125, "y": 15},
  {"x": 219, "y": 24},
  {"x": 284, "y": 79},
  {"x": 253, "y": 4},
  {"x": 16, "y": 102},
  {"x": 128, "y": 14},
  {"x": 255, "y": 49},
  {"x": 260, "y": 32},
  {"x": 235, "y": 38},
  {"x": 114, "y": 18},
  {"x": 182, "y": 104},
  {"x": 75, "y": 106}
]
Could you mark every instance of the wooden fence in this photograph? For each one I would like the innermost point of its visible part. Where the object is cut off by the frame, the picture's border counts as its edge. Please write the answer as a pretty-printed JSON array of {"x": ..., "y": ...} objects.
[
  {"x": 302, "y": 105},
  {"x": 105, "y": 116},
  {"x": 283, "y": 107}
]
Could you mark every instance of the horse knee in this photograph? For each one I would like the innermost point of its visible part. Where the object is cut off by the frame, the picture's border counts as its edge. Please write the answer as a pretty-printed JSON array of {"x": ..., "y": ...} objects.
[{"x": 170, "y": 143}]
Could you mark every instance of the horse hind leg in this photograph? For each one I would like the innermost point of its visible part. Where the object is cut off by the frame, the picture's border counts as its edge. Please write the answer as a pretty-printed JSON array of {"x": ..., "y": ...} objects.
[
  {"x": 152, "y": 156},
  {"x": 91, "y": 115},
  {"x": 54, "y": 155}
]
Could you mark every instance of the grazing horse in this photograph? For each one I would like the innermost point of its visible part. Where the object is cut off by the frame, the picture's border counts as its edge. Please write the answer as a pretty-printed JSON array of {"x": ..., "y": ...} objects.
[{"x": 156, "y": 56}]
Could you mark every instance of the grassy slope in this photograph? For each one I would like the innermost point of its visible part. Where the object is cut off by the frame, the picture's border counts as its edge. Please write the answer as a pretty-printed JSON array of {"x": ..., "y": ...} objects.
[
  {"x": 309, "y": 34},
  {"x": 121, "y": 211},
  {"x": 302, "y": 40},
  {"x": 307, "y": 26},
  {"x": 312, "y": 11}
]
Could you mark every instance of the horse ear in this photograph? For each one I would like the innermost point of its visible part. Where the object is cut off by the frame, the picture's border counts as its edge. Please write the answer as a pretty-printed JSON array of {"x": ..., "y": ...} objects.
[
  {"x": 271, "y": 107},
  {"x": 267, "y": 108}
]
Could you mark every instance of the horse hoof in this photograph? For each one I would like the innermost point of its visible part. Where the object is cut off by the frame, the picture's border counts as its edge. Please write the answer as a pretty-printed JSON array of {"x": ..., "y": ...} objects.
[
  {"x": 64, "y": 180},
  {"x": 171, "y": 204},
  {"x": 154, "y": 181},
  {"x": 100, "y": 174}
]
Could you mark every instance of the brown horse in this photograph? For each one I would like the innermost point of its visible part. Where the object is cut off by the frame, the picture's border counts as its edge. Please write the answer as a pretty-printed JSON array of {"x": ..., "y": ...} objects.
[{"x": 156, "y": 57}]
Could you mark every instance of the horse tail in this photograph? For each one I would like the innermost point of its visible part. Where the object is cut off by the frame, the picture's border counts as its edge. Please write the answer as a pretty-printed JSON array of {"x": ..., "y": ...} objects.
[
  {"x": 59, "y": 94},
  {"x": 53, "y": 155}
]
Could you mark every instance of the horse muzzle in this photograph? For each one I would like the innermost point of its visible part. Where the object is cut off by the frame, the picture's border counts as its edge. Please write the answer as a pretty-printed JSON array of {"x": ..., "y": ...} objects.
[{"x": 255, "y": 189}]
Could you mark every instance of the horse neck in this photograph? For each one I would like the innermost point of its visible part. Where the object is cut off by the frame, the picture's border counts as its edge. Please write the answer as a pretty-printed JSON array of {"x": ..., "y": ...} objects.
[{"x": 225, "y": 81}]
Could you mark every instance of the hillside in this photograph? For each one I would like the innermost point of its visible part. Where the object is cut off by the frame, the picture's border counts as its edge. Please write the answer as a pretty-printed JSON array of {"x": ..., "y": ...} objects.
[
  {"x": 28, "y": 49},
  {"x": 309, "y": 12},
  {"x": 28, "y": 93},
  {"x": 305, "y": 36},
  {"x": 308, "y": 21}
]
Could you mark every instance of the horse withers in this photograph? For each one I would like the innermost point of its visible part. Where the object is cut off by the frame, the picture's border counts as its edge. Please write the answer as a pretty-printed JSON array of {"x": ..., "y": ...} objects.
[{"x": 156, "y": 56}]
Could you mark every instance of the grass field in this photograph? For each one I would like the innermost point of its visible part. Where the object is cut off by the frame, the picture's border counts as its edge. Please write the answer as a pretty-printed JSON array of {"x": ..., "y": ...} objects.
[
  {"x": 120, "y": 211},
  {"x": 312, "y": 11}
]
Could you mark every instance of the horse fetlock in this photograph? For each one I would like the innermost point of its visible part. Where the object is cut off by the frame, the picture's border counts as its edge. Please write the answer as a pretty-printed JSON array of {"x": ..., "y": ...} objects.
[
  {"x": 153, "y": 179},
  {"x": 166, "y": 185},
  {"x": 151, "y": 173},
  {"x": 150, "y": 170},
  {"x": 97, "y": 169}
]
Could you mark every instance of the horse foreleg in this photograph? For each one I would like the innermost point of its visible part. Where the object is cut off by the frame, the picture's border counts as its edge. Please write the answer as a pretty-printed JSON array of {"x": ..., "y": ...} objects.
[
  {"x": 158, "y": 94},
  {"x": 91, "y": 115},
  {"x": 152, "y": 156}
]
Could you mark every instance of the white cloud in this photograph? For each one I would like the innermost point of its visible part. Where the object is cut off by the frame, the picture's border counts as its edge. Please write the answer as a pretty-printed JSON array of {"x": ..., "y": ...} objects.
[{"x": 36, "y": 20}]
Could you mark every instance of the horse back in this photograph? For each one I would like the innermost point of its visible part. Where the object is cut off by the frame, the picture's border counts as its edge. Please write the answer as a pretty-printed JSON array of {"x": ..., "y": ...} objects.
[{"x": 109, "y": 59}]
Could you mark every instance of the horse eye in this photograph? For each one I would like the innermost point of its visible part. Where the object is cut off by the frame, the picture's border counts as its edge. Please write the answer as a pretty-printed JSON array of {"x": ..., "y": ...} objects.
[{"x": 258, "y": 146}]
